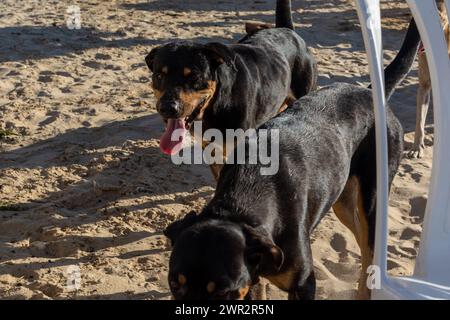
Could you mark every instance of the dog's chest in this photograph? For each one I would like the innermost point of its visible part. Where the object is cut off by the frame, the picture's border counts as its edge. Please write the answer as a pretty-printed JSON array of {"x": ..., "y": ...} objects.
[{"x": 283, "y": 280}]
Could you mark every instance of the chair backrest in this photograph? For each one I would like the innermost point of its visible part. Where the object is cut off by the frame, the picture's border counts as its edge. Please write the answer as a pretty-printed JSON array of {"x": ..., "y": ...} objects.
[
  {"x": 370, "y": 20},
  {"x": 433, "y": 261}
]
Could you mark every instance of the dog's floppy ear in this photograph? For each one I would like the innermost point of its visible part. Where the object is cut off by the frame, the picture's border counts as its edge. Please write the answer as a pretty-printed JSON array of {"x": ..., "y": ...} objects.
[
  {"x": 262, "y": 254},
  {"x": 219, "y": 53},
  {"x": 150, "y": 57},
  {"x": 175, "y": 228}
]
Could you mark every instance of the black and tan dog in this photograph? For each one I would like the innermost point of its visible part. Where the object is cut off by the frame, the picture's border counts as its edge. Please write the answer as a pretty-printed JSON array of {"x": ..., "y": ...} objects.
[
  {"x": 231, "y": 86},
  {"x": 260, "y": 226}
]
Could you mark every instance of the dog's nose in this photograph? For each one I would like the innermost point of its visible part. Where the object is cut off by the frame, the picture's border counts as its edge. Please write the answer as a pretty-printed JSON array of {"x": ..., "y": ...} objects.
[{"x": 169, "y": 109}]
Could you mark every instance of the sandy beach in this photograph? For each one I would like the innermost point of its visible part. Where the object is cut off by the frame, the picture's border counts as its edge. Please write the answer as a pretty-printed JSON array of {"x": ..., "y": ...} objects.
[{"x": 83, "y": 184}]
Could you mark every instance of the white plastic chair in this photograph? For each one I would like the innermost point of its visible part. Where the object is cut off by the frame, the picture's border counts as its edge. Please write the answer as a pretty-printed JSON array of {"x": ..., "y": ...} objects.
[{"x": 431, "y": 278}]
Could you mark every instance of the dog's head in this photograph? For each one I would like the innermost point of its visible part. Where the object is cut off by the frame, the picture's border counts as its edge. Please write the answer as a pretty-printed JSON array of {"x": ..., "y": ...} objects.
[
  {"x": 184, "y": 83},
  {"x": 216, "y": 259}
]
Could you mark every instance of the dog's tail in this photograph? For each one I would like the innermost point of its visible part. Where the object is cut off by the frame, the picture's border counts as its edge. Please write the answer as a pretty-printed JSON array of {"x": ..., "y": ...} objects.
[
  {"x": 283, "y": 14},
  {"x": 397, "y": 70}
]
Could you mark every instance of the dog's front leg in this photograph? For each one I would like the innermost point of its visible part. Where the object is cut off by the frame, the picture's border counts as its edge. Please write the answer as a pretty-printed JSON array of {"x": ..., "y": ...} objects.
[{"x": 305, "y": 288}]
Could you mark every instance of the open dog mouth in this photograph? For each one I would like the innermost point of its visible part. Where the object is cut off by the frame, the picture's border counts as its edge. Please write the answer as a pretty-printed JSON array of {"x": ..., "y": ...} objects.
[{"x": 182, "y": 125}]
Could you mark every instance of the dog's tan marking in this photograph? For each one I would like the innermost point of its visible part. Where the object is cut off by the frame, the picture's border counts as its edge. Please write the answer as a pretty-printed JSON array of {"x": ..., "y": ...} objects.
[
  {"x": 216, "y": 167},
  {"x": 186, "y": 71},
  {"x": 253, "y": 27},
  {"x": 165, "y": 69},
  {"x": 282, "y": 108},
  {"x": 283, "y": 280},
  {"x": 243, "y": 292},
  {"x": 211, "y": 286},
  {"x": 289, "y": 99},
  {"x": 191, "y": 99},
  {"x": 182, "y": 279},
  {"x": 349, "y": 209},
  {"x": 158, "y": 94}
]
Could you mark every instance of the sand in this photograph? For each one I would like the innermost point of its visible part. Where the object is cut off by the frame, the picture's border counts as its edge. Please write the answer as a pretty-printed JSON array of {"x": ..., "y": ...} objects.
[{"x": 83, "y": 185}]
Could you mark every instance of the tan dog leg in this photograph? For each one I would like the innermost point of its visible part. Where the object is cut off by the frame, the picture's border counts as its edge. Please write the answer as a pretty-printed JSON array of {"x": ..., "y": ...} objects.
[
  {"x": 423, "y": 101},
  {"x": 350, "y": 211}
]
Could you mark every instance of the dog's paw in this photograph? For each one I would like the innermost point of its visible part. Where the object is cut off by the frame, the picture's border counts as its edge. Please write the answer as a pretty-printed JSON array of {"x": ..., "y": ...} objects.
[{"x": 416, "y": 152}]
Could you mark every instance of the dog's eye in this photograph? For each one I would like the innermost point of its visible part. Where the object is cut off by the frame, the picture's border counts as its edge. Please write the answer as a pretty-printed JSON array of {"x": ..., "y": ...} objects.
[{"x": 158, "y": 76}]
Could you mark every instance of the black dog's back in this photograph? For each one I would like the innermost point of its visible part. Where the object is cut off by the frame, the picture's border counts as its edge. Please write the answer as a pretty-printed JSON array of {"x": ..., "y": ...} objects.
[
  {"x": 283, "y": 40},
  {"x": 288, "y": 44},
  {"x": 344, "y": 112},
  {"x": 340, "y": 117}
]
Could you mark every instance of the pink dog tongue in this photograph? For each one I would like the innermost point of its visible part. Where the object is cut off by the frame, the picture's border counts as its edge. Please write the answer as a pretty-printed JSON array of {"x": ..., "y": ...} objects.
[{"x": 166, "y": 144}]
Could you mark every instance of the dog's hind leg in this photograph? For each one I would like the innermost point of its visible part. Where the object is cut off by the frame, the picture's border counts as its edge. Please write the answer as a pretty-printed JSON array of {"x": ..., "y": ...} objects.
[
  {"x": 423, "y": 101},
  {"x": 356, "y": 206},
  {"x": 349, "y": 209}
]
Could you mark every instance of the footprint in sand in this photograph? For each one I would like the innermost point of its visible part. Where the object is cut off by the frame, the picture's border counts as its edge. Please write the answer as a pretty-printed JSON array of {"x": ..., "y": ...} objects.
[
  {"x": 407, "y": 250},
  {"x": 416, "y": 176},
  {"x": 42, "y": 94},
  {"x": 45, "y": 76},
  {"x": 66, "y": 89},
  {"x": 407, "y": 168},
  {"x": 339, "y": 244},
  {"x": 64, "y": 74},
  {"x": 391, "y": 264},
  {"x": 52, "y": 116},
  {"x": 342, "y": 269},
  {"x": 92, "y": 64},
  {"x": 101, "y": 56},
  {"x": 402, "y": 251},
  {"x": 13, "y": 73},
  {"x": 113, "y": 67},
  {"x": 418, "y": 205},
  {"x": 409, "y": 234}
]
